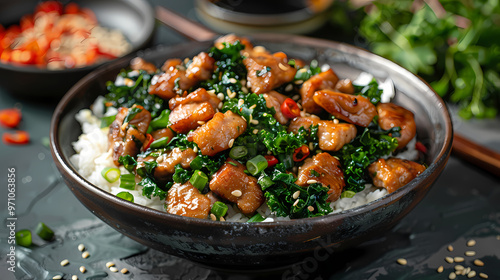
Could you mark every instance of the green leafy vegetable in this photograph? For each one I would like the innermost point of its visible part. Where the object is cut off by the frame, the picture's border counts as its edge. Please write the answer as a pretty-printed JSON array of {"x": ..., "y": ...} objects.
[
  {"x": 370, "y": 91},
  {"x": 128, "y": 162},
  {"x": 181, "y": 175}
]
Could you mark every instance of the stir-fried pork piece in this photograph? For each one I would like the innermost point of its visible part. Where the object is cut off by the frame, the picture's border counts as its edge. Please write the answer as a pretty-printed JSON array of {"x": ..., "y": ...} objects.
[
  {"x": 231, "y": 39},
  {"x": 177, "y": 78},
  {"x": 163, "y": 132},
  {"x": 345, "y": 86},
  {"x": 274, "y": 99},
  {"x": 215, "y": 135},
  {"x": 324, "y": 169},
  {"x": 167, "y": 162},
  {"x": 331, "y": 136},
  {"x": 231, "y": 183},
  {"x": 355, "y": 109},
  {"x": 323, "y": 80},
  {"x": 186, "y": 200},
  {"x": 394, "y": 173},
  {"x": 191, "y": 111},
  {"x": 127, "y": 138},
  {"x": 392, "y": 115},
  {"x": 140, "y": 64},
  {"x": 267, "y": 71}
]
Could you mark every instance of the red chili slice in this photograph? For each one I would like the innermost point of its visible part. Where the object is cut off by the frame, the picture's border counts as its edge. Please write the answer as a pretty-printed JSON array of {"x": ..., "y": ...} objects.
[
  {"x": 50, "y": 6},
  {"x": 290, "y": 109},
  {"x": 420, "y": 147},
  {"x": 18, "y": 137},
  {"x": 271, "y": 160},
  {"x": 10, "y": 117},
  {"x": 147, "y": 143},
  {"x": 301, "y": 153}
]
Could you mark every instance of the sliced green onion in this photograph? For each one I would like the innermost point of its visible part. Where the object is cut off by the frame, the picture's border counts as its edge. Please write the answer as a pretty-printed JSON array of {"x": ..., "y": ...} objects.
[
  {"x": 265, "y": 182},
  {"x": 196, "y": 163},
  {"x": 160, "y": 143},
  {"x": 23, "y": 237},
  {"x": 161, "y": 121},
  {"x": 127, "y": 181},
  {"x": 219, "y": 209},
  {"x": 238, "y": 152},
  {"x": 199, "y": 180},
  {"x": 126, "y": 195},
  {"x": 107, "y": 121},
  {"x": 256, "y": 164},
  {"x": 256, "y": 218},
  {"x": 111, "y": 174},
  {"x": 347, "y": 194},
  {"x": 44, "y": 232}
]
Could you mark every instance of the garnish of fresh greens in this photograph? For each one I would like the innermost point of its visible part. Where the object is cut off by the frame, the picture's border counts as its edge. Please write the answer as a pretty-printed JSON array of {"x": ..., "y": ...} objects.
[
  {"x": 455, "y": 45},
  {"x": 125, "y": 96}
]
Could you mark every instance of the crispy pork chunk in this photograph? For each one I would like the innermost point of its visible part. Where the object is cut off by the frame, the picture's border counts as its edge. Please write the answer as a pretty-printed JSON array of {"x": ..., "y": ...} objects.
[
  {"x": 392, "y": 115},
  {"x": 323, "y": 80},
  {"x": 186, "y": 200},
  {"x": 267, "y": 71},
  {"x": 394, "y": 173},
  {"x": 274, "y": 99}
]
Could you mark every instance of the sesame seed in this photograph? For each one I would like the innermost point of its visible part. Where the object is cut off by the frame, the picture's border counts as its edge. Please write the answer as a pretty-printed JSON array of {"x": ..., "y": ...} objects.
[
  {"x": 265, "y": 114},
  {"x": 440, "y": 269},
  {"x": 220, "y": 96},
  {"x": 471, "y": 243},
  {"x": 110, "y": 264},
  {"x": 232, "y": 80},
  {"x": 244, "y": 89},
  {"x": 243, "y": 81},
  {"x": 220, "y": 105},
  {"x": 85, "y": 254},
  {"x": 259, "y": 49},
  {"x": 228, "y": 91},
  {"x": 241, "y": 102},
  {"x": 159, "y": 159},
  {"x": 211, "y": 92},
  {"x": 458, "y": 259},
  {"x": 57, "y": 277},
  {"x": 470, "y": 253},
  {"x": 253, "y": 106},
  {"x": 296, "y": 194},
  {"x": 402, "y": 261},
  {"x": 298, "y": 82},
  {"x": 282, "y": 66},
  {"x": 483, "y": 275},
  {"x": 310, "y": 208},
  {"x": 466, "y": 271},
  {"x": 74, "y": 277},
  {"x": 471, "y": 274},
  {"x": 450, "y": 248},
  {"x": 113, "y": 269},
  {"x": 212, "y": 216},
  {"x": 336, "y": 121},
  {"x": 289, "y": 87},
  {"x": 307, "y": 114},
  {"x": 81, "y": 247},
  {"x": 255, "y": 131},
  {"x": 201, "y": 122},
  {"x": 459, "y": 267},
  {"x": 449, "y": 259},
  {"x": 222, "y": 219},
  {"x": 256, "y": 122},
  {"x": 124, "y": 271},
  {"x": 296, "y": 202},
  {"x": 296, "y": 97},
  {"x": 311, "y": 146},
  {"x": 299, "y": 105},
  {"x": 232, "y": 95},
  {"x": 195, "y": 149},
  {"x": 82, "y": 269},
  {"x": 452, "y": 276},
  {"x": 64, "y": 263},
  {"x": 311, "y": 181},
  {"x": 478, "y": 262},
  {"x": 302, "y": 113},
  {"x": 230, "y": 143},
  {"x": 236, "y": 193}
]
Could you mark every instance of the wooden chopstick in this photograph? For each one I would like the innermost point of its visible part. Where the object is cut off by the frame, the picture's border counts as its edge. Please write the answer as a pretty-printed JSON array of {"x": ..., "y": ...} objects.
[{"x": 476, "y": 154}]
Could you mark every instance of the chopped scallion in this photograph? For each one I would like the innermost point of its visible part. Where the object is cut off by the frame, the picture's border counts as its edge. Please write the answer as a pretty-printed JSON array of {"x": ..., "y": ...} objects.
[
  {"x": 23, "y": 237},
  {"x": 265, "y": 182},
  {"x": 160, "y": 143},
  {"x": 127, "y": 181},
  {"x": 196, "y": 163},
  {"x": 161, "y": 121},
  {"x": 256, "y": 218},
  {"x": 347, "y": 194},
  {"x": 256, "y": 164},
  {"x": 238, "y": 152},
  {"x": 125, "y": 195},
  {"x": 219, "y": 209},
  {"x": 111, "y": 174},
  {"x": 199, "y": 180},
  {"x": 44, "y": 232}
]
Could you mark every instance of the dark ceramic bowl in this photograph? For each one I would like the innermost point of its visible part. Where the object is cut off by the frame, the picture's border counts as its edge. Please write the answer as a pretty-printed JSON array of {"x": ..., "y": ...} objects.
[
  {"x": 134, "y": 18},
  {"x": 260, "y": 244}
]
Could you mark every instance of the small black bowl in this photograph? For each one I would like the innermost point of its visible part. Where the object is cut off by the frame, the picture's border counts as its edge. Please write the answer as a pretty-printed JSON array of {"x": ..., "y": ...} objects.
[
  {"x": 134, "y": 18},
  {"x": 260, "y": 245}
]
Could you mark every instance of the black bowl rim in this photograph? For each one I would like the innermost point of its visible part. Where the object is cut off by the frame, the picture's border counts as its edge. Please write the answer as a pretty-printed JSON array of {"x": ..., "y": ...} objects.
[
  {"x": 437, "y": 164},
  {"x": 141, "y": 6}
]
